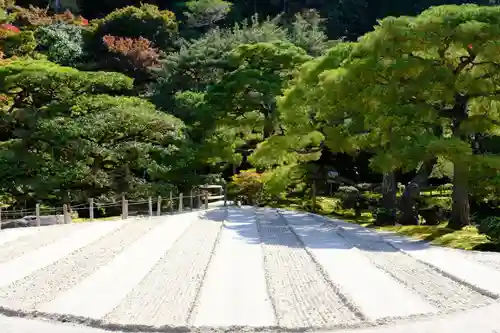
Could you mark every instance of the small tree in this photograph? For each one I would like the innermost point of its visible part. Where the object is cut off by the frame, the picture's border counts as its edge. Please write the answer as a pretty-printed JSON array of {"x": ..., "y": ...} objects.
[
  {"x": 63, "y": 43},
  {"x": 14, "y": 42},
  {"x": 203, "y": 13},
  {"x": 246, "y": 185},
  {"x": 147, "y": 21},
  {"x": 133, "y": 56}
]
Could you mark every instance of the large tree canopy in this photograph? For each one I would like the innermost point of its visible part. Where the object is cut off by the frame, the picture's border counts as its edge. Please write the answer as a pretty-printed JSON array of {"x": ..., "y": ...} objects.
[
  {"x": 414, "y": 89},
  {"x": 70, "y": 130}
]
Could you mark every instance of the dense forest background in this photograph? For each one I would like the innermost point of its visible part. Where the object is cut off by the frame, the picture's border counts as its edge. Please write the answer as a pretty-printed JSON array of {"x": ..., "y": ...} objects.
[{"x": 343, "y": 18}]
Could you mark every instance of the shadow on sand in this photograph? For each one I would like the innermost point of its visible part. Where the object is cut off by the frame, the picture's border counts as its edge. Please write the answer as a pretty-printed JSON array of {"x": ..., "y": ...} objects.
[{"x": 293, "y": 229}]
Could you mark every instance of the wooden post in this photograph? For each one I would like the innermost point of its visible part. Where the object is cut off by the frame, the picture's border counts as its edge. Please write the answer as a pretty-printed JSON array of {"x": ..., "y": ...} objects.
[
  {"x": 191, "y": 199},
  {"x": 150, "y": 204},
  {"x": 206, "y": 200},
  {"x": 158, "y": 206},
  {"x": 124, "y": 208},
  {"x": 180, "y": 202},
  {"x": 65, "y": 214},
  {"x": 225, "y": 195},
  {"x": 37, "y": 214},
  {"x": 91, "y": 209},
  {"x": 171, "y": 203},
  {"x": 313, "y": 190},
  {"x": 199, "y": 199},
  {"x": 0, "y": 218}
]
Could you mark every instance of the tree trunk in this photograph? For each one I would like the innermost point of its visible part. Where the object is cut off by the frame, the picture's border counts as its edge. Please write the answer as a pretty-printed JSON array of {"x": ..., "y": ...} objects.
[
  {"x": 408, "y": 201},
  {"x": 388, "y": 201},
  {"x": 460, "y": 210},
  {"x": 389, "y": 190}
]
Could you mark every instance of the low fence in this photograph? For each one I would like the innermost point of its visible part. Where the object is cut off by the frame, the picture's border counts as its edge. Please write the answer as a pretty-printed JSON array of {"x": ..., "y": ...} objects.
[{"x": 152, "y": 206}]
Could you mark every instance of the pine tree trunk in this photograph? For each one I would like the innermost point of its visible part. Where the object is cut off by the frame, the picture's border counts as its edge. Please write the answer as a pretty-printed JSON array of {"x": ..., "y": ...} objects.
[
  {"x": 408, "y": 201},
  {"x": 388, "y": 201},
  {"x": 460, "y": 210}
]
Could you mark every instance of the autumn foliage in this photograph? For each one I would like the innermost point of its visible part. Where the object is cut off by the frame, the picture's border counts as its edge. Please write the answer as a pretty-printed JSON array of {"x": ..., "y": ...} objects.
[
  {"x": 246, "y": 185},
  {"x": 133, "y": 53},
  {"x": 10, "y": 28},
  {"x": 34, "y": 17}
]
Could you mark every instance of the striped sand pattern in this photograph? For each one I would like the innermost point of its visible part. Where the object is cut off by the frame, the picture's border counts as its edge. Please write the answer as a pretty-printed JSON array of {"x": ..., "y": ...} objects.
[{"x": 237, "y": 266}]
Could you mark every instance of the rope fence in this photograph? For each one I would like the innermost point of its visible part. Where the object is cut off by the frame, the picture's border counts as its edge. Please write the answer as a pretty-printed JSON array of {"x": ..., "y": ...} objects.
[{"x": 152, "y": 206}]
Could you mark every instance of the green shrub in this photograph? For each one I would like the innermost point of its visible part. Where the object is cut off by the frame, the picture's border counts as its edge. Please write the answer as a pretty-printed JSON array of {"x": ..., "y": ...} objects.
[
  {"x": 21, "y": 44},
  {"x": 384, "y": 216},
  {"x": 490, "y": 226},
  {"x": 61, "y": 42},
  {"x": 147, "y": 21},
  {"x": 246, "y": 186},
  {"x": 351, "y": 198}
]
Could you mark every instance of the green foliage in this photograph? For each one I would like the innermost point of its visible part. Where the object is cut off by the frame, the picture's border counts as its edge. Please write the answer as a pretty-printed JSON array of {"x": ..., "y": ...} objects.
[
  {"x": 415, "y": 88},
  {"x": 261, "y": 71},
  {"x": 206, "y": 12},
  {"x": 20, "y": 44},
  {"x": 5, "y": 16},
  {"x": 349, "y": 196},
  {"x": 147, "y": 21},
  {"x": 68, "y": 130},
  {"x": 490, "y": 226},
  {"x": 308, "y": 32},
  {"x": 283, "y": 179},
  {"x": 203, "y": 61},
  {"x": 62, "y": 43},
  {"x": 246, "y": 186},
  {"x": 245, "y": 97},
  {"x": 7, "y": 3}
]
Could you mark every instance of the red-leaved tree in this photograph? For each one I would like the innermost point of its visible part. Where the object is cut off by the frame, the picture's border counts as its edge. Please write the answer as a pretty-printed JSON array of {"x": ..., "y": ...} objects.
[{"x": 133, "y": 56}]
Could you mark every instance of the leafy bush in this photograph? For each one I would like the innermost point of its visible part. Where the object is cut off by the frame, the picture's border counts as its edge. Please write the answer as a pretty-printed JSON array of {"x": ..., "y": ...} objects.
[
  {"x": 490, "y": 226},
  {"x": 33, "y": 17},
  {"x": 206, "y": 12},
  {"x": 384, "y": 216},
  {"x": 133, "y": 56},
  {"x": 350, "y": 198},
  {"x": 246, "y": 186},
  {"x": 18, "y": 44},
  {"x": 147, "y": 21},
  {"x": 62, "y": 43}
]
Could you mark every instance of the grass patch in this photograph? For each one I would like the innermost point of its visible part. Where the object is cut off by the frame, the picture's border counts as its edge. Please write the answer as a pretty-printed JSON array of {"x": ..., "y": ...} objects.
[{"x": 468, "y": 238}]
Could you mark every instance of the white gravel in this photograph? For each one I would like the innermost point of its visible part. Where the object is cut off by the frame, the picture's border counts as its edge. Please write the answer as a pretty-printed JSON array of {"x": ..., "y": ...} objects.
[
  {"x": 167, "y": 295},
  {"x": 469, "y": 268},
  {"x": 40, "y": 237},
  {"x": 479, "y": 320},
  {"x": 100, "y": 293},
  {"x": 440, "y": 291},
  {"x": 301, "y": 295},
  {"x": 491, "y": 260},
  {"x": 376, "y": 293},
  {"x": 455, "y": 264},
  {"x": 234, "y": 291},
  {"x": 187, "y": 273},
  {"x": 44, "y": 285},
  {"x": 10, "y": 235},
  {"x": 20, "y": 267}
]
